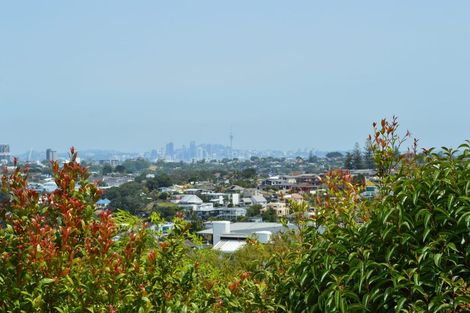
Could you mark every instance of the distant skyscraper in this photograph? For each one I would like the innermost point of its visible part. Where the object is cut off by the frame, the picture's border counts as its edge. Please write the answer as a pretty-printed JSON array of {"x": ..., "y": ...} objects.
[
  {"x": 201, "y": 153},
  {"x": 51, "y": 155},
  {"x": 192, "y": 150},
  {"x": 231, "y": 143},
  {"x": 170, "y": 151},
  {"x": 4, "y": 153}
]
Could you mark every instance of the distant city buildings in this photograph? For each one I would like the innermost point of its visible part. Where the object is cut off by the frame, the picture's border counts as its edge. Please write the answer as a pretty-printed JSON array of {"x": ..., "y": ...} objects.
[
  {"x": 198, "y": 152},
  {"x": 51, "y": 155},
  {"x": 4, "y": 153},
  {"x": 192, "y": 152},
  {"x": 108, "y": 162},
  {"x": 170, "y": 151}
]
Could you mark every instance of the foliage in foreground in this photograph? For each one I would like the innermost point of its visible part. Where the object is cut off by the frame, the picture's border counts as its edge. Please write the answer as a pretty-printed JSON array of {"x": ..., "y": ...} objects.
[
  {"x": 406, "y": 251},
  {"x": 57, "y": 253}
]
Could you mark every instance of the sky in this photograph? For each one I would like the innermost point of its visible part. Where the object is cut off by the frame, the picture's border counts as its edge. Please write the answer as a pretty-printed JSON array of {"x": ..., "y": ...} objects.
[{"x": 134, "y": 75}]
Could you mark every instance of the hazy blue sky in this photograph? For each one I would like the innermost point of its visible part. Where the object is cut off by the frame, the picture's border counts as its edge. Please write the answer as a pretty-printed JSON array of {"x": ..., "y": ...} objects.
[{"x": 133, "y": 75}]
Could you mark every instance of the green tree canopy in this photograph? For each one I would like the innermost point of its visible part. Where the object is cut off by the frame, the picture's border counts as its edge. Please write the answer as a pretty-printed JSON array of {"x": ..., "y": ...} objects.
[{"x": 357, "y": 162}]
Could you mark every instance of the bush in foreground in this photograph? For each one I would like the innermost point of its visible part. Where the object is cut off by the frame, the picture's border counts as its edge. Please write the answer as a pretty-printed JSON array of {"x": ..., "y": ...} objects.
[{"x": 406, "y": 251}]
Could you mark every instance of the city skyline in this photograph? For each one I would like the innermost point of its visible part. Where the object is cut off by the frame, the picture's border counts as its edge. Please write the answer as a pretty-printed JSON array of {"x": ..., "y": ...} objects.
[
  {"x": 176, "y": 146},
  {"x": 170, "y": 152},
  {"x": 117, "y": 75}
]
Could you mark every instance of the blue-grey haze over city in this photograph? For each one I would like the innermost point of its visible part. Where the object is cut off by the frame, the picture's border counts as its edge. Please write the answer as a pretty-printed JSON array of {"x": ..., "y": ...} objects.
[{"x": 135, "y": 75}]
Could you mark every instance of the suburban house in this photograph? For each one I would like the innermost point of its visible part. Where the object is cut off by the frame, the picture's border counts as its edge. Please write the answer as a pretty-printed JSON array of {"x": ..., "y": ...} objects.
[
  {"x": 247, "y": 202},
  {"x": 258, "y": 199},
  {"x": 229, "y": 237},
  {"x": 103, "y": 203},
  {"x": 300, "y": 183},
  {"x": 193, "y": 203},
  {"x": 280, "y": 208},
  {"x": 220, "y": 198},
  {"x": 294, "y": 197},
  {"x": 233, "y": 213},
  {"x": 277, "y": 182}
]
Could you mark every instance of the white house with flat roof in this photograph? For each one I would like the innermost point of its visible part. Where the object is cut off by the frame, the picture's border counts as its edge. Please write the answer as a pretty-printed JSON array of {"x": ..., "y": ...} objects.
[{"x": 229, "y": 237}]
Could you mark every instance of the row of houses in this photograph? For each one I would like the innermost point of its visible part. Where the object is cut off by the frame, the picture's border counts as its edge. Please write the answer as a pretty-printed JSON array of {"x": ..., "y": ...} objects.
[
  {"x": 294, "y": 183},
  {"x": 306, "y": 182},
  {"x": 205, "y": 210}
]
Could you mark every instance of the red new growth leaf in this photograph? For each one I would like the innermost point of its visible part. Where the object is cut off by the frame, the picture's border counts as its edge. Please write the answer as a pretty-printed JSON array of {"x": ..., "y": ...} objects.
[
  {"x": 245, "y": 275},
  {"x": 234, "y": 286}
]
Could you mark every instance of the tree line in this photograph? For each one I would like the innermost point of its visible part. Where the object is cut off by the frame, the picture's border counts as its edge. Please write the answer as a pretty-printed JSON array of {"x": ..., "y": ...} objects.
[{"x": 358, "y": 159}]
